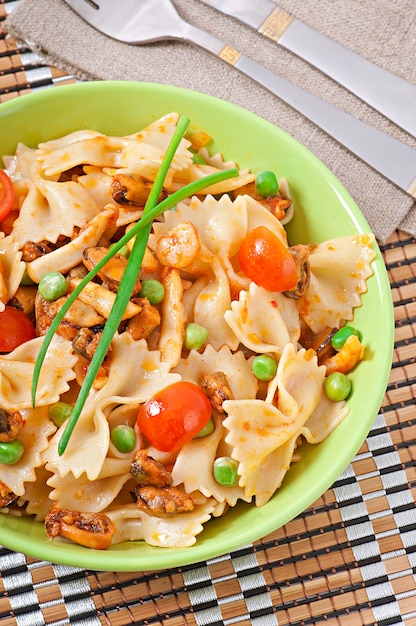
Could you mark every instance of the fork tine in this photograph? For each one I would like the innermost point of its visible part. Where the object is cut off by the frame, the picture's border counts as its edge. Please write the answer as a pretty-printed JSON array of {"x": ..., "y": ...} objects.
[{"x": 134, "y": 21}]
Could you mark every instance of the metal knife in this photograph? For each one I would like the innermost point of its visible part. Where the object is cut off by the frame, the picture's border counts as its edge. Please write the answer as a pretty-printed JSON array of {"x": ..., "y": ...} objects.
[{"x": 389, "y": 94}]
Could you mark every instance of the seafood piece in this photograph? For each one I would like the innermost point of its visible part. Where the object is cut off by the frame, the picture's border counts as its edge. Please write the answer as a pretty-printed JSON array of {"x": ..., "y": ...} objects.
[
  {"x": 85, "y": 342},
  {"x": 148, "y": 471},
  {"x": 79, "y": 315},
  {"x": 216, "y": 387},
  {"x": 320, "y": 342},
  {"x": 10, "y": 424},
  {"x": 32, "y": 250},
  {"x": 140, "y": 326},
  {"x": 163, "y": 501},
  {"x": 300, "y": 254},
  {"x": 24, "y": 299},
  {"x": 113, "y": 271},
  {"x": 7, "y": 497},
  {"x": 92, "y": 530},
  {"x": 179, "y": 247},
  {"x": 133, "y": 191}
]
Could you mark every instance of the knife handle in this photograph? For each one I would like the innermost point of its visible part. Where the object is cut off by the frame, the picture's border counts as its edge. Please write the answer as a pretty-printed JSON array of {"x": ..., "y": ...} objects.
[{"x": 392, "y": 158}]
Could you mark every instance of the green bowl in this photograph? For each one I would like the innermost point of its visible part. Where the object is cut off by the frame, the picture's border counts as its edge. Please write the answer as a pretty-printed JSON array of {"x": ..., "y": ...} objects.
[{"x": 324, "y": 209}]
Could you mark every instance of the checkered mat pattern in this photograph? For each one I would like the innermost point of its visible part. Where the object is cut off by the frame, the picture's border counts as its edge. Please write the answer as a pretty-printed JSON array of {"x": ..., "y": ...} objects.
[{"x": 349, "y": 560}]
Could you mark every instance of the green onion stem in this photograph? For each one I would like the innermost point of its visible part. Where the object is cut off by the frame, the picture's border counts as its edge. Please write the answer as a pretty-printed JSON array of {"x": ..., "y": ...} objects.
[{"x": 151, "y": 211}]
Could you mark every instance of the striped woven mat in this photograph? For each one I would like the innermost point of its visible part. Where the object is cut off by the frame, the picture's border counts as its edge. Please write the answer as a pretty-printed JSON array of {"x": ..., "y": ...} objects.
[{"x": 349, "y": 559}]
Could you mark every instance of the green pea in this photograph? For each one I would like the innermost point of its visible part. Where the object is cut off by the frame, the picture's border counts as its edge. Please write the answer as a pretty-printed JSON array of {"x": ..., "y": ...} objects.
[
  {"x": 59, "y": 412},
  {"x": 11, "y": 452},
  {"x": 337, "y": 386},
  {"x": 264, "y": 367},
  {"x": 266, "y": 184},
  {"x": 225, "y": 471},
  {"x": 153, "y": 290},
  {"x": 342, "y": 335},
  {"x": 124, "y": 250},
  {"x": 53, "y": 286},
  {"x": 123, "y": 437},
  {"x": 195, "y": 336},
  {"x": 207, "y": 430}
]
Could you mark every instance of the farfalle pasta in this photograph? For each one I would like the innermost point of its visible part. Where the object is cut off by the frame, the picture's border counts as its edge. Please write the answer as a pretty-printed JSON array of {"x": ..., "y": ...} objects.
[{"x": 197, "y": 320}]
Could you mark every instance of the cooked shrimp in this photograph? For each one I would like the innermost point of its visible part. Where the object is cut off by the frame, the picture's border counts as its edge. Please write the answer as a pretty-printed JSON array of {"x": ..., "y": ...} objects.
[{"x": 179, "y": 247}]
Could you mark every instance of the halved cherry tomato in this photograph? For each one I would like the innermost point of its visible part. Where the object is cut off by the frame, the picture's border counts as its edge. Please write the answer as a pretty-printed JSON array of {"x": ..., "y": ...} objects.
[
  {"x": 174, "y": 416},
  {"x": 15, "y": 328},
  {"x": 6, "y": 194},
  {"x": 265, "y": 259}
]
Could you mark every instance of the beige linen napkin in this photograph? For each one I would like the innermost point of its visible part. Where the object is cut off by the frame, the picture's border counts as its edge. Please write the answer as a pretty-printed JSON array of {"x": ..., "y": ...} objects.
[{"x": 381, "y": 30}]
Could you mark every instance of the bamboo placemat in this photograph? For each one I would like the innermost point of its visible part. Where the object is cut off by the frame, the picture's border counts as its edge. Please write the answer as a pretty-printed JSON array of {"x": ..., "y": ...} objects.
[{"x": 349, "y": 559}]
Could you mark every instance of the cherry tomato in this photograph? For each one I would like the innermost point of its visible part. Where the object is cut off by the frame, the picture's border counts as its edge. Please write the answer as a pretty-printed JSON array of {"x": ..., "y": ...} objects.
[
  {"x": 6, "y": 195},
  {"x": 264, "y": 258},
  {"x": 15, "y": 328},
  {"x": 174, "y": 416}
]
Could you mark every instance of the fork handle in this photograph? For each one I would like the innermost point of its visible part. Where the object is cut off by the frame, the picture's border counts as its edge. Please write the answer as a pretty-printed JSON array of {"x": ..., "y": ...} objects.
[{"x": 395, "y": 160}]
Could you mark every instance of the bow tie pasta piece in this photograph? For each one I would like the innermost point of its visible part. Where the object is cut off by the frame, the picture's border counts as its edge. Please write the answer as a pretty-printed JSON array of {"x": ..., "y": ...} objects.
[
  {"x": 34, "y": 437},
  {"x": 89, "y": 444},
  {"x": 257, "y": 429},
  {"x": 147, "y": 146},
  {"x": 52, "y": 209},
  {"x": 264, "y": 321},
  {"x": 16, "y": 373},
  {"x": 339, "y": 271},
  {"x": 178, "y": 531}
]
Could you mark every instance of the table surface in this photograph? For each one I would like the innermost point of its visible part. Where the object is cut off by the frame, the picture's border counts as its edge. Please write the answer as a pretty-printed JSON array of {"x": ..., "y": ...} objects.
[{"x": 349, "y": 559}]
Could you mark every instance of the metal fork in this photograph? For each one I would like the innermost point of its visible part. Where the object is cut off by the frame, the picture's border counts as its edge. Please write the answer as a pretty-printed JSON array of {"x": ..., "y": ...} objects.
[{"x": 145, "y": 21}]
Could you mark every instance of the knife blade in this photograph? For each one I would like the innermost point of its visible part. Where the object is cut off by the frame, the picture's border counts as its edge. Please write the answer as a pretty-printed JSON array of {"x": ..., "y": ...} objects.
[{"x": 389, "y": 94}]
